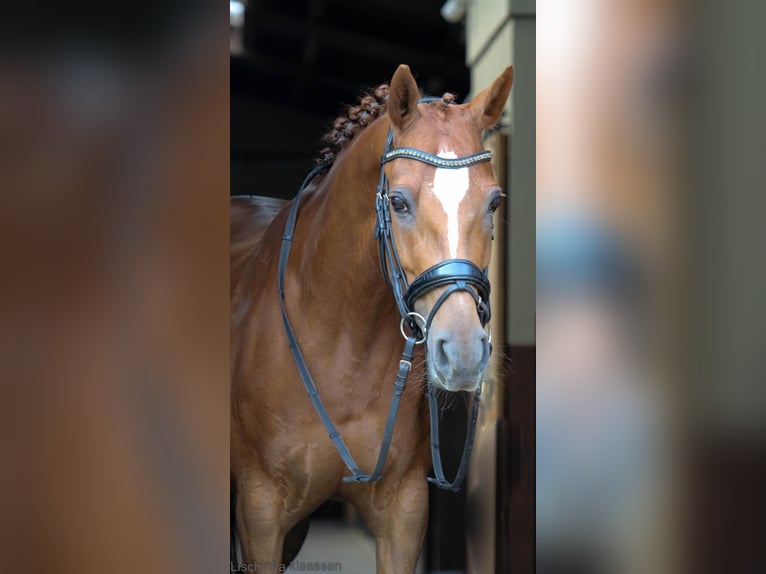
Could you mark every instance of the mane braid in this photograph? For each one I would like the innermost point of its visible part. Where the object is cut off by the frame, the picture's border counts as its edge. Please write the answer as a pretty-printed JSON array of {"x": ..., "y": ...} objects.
[
  {"x": 354, "y": 120},
  {"x": 358, "y": 117}
]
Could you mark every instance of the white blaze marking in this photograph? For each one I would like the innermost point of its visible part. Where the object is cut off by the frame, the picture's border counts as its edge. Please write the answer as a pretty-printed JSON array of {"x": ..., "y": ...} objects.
[{"x": 450, "y": 187}]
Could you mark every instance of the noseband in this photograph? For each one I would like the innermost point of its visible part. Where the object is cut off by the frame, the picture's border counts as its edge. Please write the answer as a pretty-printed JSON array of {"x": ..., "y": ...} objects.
[{"x": 453, "y": 274}]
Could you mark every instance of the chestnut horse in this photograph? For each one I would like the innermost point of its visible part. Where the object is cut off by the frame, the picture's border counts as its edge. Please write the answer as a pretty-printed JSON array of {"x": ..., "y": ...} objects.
[{"x": 436, "y": 198}]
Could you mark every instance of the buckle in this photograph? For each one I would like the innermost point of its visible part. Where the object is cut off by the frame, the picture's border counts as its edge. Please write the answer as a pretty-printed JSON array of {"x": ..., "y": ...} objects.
[{"x": 421, "y": 324}]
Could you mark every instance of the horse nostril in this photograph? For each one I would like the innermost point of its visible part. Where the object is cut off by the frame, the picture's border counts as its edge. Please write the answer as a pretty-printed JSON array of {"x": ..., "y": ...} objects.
[{"x": 441, "y": 359}]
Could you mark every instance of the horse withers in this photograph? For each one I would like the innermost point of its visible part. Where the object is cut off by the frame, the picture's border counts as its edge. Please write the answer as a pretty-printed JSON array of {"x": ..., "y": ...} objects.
[{"x": 312, "y": 311}]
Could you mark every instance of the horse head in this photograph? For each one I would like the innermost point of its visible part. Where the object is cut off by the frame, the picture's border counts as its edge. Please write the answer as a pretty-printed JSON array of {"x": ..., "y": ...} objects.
[{"x": 441, "y": 220}]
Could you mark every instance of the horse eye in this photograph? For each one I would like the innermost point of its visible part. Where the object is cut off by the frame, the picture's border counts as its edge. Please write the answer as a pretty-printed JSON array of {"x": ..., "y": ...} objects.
[
  {"x": 495, "y": 203},
  {"x": 398, "y": 204}
]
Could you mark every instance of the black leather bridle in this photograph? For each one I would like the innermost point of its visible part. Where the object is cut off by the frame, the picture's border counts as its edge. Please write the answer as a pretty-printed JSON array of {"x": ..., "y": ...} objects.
[{"x": 454, "y": 274}]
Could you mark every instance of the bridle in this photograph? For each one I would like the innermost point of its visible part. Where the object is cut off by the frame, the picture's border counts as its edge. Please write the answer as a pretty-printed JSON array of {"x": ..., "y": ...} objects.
[
  {"x": 454, "y": 274},
  {"x": 458, "y": 274}
]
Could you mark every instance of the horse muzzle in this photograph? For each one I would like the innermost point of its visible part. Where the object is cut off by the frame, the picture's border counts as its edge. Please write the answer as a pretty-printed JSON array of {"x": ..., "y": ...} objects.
[
  {"x": 458, "y": 354},
  {"x": 458, "y": 346}
]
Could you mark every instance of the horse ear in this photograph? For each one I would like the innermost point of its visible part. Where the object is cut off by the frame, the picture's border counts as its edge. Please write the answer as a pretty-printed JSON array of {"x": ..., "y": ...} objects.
[
  {"x": 487, "y": 105},
  {"x": 403, "y": 96}
]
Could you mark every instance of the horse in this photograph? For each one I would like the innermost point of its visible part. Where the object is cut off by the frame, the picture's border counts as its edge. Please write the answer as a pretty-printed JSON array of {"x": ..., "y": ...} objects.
[{"x": 312, "y": 310}]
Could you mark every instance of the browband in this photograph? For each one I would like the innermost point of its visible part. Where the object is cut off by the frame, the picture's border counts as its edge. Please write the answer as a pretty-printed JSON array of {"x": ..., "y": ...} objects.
[{"x": 435, "y": 160}]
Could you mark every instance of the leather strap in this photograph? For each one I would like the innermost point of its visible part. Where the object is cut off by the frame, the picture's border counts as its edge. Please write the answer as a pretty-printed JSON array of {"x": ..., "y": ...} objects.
[
  {"x": 435, "y": 160},
  {"x": 433, "y": 411},
  {"x": 444, "y": 273},
  {"x": 405, "y": 364}
]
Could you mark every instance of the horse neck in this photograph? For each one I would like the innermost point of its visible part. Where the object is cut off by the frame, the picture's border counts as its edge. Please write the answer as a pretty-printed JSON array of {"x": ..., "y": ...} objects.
[{"x": 340, "y": 254}]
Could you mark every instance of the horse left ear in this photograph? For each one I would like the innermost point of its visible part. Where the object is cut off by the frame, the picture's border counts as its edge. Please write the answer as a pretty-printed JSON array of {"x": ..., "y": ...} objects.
[{"x": 487, "y": 105}]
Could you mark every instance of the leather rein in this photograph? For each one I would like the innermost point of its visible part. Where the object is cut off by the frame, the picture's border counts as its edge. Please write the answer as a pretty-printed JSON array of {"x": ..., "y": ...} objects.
[{"x": 454, "y": 274}]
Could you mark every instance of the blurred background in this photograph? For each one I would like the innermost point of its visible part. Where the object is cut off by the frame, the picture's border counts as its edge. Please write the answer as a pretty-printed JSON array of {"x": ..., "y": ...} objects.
[
  {"x": 114, "y": 178},
  {"x": 609, "y": 199},
  {"x": 650, "y": 397}
]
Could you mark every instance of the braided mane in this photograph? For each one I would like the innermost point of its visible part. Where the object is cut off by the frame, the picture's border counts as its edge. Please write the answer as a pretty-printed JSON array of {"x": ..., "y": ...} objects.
[{"x": 356, "y": 118}]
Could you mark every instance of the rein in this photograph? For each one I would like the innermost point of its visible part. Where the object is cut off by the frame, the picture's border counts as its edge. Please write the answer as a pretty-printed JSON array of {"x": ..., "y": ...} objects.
[{"x": 455, "y": 274}]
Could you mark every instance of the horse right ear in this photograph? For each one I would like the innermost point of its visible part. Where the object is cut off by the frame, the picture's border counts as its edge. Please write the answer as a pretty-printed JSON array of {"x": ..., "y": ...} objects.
[{"x": 403, "y": 96}]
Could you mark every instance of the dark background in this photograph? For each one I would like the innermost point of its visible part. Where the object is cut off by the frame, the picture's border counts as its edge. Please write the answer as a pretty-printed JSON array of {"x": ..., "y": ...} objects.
[{"x": 305, "y": 60}]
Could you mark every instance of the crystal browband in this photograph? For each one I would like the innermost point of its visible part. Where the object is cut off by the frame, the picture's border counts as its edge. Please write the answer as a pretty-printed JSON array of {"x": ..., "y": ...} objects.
[{"x": 435, "y": 160}]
